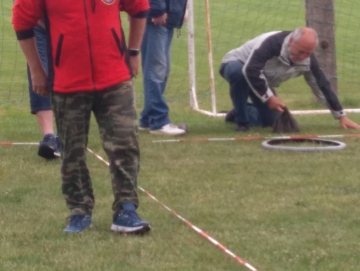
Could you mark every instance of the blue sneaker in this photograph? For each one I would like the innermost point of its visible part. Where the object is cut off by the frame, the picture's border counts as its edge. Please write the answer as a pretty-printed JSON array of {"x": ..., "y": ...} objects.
[
  {"x": 49, "y": 147},
  {"x": 78, "y": 223},
  {"x": 129, "y": 222}
]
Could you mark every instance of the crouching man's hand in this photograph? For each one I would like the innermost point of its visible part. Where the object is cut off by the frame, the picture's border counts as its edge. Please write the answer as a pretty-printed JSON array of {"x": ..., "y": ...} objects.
[
  {"x": 347, "y": 123},
  {"x": 275, "y": 103}
]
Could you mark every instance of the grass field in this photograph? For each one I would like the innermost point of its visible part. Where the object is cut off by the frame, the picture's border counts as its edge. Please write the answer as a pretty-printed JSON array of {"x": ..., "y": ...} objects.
[{"x": 280, "y": 211}]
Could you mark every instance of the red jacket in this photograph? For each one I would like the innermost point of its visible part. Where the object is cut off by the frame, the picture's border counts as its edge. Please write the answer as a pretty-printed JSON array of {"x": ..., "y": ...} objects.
[{"x": 88, "y": 50}]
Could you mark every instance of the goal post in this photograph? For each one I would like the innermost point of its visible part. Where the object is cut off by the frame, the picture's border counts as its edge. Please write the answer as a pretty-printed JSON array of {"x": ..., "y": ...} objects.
[{"x": 191, "y": 53}]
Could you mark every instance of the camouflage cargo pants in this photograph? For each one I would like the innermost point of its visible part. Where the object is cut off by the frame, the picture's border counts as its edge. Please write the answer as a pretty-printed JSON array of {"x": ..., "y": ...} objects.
[{"x": 115, "y": 114}]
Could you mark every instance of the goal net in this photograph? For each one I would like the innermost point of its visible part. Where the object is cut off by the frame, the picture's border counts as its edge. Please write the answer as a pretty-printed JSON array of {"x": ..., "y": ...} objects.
[
  {"x": 13, "y": 83},
  {"x": 215, "y": 27}
]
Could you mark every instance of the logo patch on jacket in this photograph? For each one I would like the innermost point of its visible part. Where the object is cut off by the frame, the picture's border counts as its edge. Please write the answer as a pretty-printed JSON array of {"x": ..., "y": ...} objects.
[{"x": 108, "y": 2}]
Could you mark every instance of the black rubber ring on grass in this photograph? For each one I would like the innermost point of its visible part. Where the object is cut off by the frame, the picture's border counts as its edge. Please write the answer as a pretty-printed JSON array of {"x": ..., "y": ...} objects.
[{"x": 275, "y": 144}]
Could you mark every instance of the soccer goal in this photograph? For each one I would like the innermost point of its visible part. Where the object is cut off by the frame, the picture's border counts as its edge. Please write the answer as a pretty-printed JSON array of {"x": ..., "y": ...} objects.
[{"x": 215, "y": 27}]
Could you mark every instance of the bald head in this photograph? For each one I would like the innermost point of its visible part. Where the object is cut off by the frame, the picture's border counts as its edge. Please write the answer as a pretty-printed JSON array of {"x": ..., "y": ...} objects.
[{"x": 302, "y": 43}]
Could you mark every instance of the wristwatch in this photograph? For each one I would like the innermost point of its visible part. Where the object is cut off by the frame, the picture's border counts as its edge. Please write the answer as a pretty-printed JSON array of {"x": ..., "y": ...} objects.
[{"x": 133, "y": 52}]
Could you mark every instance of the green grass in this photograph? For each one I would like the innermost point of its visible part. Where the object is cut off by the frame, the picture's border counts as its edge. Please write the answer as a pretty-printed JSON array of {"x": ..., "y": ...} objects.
[{"x": 280, "y": 211}]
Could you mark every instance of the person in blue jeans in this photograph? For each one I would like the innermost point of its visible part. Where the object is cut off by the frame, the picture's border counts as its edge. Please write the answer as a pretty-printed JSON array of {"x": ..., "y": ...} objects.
[
  {"x": 163, "y": 17},
  {"x": 251, "y": 114},
  {"x": 41, "y": 105},
  {"x": 261, "y": 64}
]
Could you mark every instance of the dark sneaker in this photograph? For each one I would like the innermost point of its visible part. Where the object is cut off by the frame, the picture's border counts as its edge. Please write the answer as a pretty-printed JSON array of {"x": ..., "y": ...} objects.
[
  {"x": 129, "y": 222},
  {"x": 230, "y": 116},
  {"x": 78, "y": 223},
  {"x": 242, "y": 128},
  {"x": 49, "y": 147},
  {"x": 57, "y": 151}
]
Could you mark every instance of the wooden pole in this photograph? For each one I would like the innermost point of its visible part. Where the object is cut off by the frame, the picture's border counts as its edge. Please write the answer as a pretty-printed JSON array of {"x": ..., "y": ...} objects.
[
  {"x": 320, "y": 16},
  {"x": 210, "y": 58}
]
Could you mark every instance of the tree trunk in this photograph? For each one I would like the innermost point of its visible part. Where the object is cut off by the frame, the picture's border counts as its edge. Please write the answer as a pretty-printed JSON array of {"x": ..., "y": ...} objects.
[{"x": 320, "y": 16}]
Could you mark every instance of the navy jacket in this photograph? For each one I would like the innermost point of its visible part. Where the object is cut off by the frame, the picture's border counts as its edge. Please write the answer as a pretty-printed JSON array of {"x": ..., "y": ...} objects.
[{"x": 174, "y": 8}]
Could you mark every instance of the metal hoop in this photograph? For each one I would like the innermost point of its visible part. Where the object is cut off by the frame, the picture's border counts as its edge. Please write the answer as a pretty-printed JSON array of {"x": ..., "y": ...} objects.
[{"x": 331, "y": 145}]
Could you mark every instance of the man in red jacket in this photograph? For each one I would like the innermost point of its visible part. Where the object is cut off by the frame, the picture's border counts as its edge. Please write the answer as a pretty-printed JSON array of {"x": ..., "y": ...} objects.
[{"x": 90, "y": 70}]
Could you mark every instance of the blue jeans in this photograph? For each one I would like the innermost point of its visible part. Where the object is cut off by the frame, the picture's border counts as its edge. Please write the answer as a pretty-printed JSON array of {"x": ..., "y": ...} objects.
[
  {"x": 155, "y": 60},
  {"x": 38, "y": 102},
  {"x": 240, "y": 91}
]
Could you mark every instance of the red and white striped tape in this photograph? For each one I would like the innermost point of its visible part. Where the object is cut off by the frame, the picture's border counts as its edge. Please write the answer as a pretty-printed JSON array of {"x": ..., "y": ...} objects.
[
  {"x": 250, "y": 138},
  {"x": 198, "y": 230},
  {"x": 206, "y": 139},
  {"x": 18, "y": 143}
]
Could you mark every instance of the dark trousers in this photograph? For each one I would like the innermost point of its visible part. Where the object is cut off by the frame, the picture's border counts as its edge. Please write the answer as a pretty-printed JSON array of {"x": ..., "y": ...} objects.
[{"x": 257, "y": 115}]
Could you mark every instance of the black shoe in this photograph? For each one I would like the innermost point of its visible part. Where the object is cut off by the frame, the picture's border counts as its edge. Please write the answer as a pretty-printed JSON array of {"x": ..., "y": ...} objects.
[
  {"x": 241, "y": 128},
  {"x": 230, "y": 116},
  {"x": 49, "y": 147}
]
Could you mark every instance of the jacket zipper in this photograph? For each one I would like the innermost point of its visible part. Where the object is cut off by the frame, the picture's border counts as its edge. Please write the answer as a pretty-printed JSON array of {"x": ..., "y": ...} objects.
[{"x": 90, "y": 49}]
